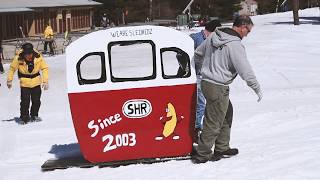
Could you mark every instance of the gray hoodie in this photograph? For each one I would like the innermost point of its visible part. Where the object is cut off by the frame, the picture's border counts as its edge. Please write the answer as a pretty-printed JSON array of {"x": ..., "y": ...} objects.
[{"x": 223, "y": 56}]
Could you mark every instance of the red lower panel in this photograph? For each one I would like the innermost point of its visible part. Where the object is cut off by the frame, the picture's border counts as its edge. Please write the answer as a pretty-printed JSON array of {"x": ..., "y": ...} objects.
[{"x": 134, "y": 123}]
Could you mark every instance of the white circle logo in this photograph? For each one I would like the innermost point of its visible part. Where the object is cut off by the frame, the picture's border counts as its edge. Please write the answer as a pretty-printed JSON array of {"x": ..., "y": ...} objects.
[{"x": 136, "y": 108}]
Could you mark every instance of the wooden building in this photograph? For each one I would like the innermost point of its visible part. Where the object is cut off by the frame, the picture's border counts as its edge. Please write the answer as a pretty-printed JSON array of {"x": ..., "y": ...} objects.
[{"x": 29, "y": 18}]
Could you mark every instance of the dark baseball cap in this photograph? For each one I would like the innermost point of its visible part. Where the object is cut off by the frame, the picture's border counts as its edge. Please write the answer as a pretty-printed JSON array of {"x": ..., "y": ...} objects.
[
  {"x": 27, "y": 48},
  {"x": 212, "y": 25}
]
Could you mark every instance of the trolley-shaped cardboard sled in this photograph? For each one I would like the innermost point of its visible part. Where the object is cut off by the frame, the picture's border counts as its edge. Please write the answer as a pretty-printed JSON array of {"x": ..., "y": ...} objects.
[{"x": 132, "y": 93}]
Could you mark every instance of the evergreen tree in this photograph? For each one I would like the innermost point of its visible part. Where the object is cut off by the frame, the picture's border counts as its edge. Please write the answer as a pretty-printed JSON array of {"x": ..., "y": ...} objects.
[
  {"x": 223, "y": 9},
  {"x": 138, "y": 10},
  {"x": 269, "y": 6}
]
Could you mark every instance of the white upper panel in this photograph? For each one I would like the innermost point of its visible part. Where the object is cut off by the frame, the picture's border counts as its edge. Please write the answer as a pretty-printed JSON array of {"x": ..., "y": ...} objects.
[{"x": 162, "y": 37}]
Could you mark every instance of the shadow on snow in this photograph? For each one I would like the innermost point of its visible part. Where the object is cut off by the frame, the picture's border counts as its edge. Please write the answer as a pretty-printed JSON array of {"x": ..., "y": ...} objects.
[{"x": 66, "y": 150}]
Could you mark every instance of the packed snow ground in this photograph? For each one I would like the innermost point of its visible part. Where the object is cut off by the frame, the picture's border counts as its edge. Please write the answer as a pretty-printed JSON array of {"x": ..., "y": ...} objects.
[{"x": 278, "y": 138}]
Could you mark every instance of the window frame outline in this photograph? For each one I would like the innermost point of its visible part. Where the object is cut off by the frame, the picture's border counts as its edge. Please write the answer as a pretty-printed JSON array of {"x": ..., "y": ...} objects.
[
  {"x": 154, "y": 66},
  {"x": 177, "y": 50},
  {"x": 103, "y": 77}
]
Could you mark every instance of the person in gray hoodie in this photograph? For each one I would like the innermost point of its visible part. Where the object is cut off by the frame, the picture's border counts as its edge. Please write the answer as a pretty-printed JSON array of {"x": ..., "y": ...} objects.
[{"x": 223, "y": 57}]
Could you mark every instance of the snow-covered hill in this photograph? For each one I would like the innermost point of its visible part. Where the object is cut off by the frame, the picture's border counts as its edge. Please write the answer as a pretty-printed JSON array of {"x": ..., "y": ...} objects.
[{"x": 278, "y": 138}]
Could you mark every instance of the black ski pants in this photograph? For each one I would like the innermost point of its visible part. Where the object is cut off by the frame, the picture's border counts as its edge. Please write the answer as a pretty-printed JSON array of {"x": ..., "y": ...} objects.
[
  {"x": 26, "y": 94},
  {"x": 50, "y": 46},
  {"x": 1, "y": 66}
]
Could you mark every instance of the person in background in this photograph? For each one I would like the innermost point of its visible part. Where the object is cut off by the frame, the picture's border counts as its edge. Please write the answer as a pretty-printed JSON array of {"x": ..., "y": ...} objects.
[
  {"x": 198, "y": 38},
  {"x": 224, "y": 57},
  {"x": 48, "y": 37},
  {"x": 1, "y": 58},
  {"x": 104, "y": 21},
  {"x": 118, "y": 16},
  {"x": 125, "y": 16},
  {"x": 29, "y": 63}
]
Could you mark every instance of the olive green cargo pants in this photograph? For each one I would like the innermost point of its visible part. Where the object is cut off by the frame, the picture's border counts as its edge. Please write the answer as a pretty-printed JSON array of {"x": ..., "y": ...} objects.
[{"x": 217, "y": 121}]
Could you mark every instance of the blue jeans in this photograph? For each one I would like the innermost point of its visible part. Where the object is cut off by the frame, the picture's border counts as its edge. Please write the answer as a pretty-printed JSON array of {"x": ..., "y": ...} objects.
[{"x": 201, "y": 104}]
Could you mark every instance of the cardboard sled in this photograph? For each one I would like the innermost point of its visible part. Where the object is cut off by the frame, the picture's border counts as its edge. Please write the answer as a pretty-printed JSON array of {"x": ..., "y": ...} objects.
[{"x": 132, "y": 93}]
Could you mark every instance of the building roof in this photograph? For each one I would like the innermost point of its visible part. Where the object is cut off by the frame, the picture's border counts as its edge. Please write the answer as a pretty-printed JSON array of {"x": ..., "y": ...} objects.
[
  {"x": 14, "y": 9},
  {"x": 25, "y": 5}
]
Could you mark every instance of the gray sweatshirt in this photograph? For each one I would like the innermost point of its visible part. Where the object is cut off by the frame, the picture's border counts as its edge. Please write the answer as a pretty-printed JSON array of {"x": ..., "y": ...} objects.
[{"x": 223, "y": 57}]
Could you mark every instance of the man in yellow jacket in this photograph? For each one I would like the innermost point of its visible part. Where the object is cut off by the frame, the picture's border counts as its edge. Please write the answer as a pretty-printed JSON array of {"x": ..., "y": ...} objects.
[
  {"x": 29, "y": 63},
  {"x": 48, "y": 36}
]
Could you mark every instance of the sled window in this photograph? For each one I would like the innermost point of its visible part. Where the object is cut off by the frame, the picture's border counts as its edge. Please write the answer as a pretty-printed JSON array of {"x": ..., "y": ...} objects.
[
  {"x": 175, "y": 63},
  {"x": 132, "y": 60},
  {"x": 91, "y": 68}
]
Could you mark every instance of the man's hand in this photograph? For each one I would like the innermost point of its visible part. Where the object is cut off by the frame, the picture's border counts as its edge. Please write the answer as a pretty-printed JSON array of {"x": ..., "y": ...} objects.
[
  {"x": 45, "y": 86},
  {"x": 9, "y": 84},
  {"x": 259, "y": 94}
]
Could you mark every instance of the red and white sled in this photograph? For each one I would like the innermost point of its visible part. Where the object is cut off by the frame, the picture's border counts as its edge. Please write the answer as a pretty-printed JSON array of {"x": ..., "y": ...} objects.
[{"x": 128, "y": 97}]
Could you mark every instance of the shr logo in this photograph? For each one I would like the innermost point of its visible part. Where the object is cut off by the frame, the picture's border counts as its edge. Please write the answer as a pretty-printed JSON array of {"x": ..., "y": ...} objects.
[{"x": 136, "y": 108}]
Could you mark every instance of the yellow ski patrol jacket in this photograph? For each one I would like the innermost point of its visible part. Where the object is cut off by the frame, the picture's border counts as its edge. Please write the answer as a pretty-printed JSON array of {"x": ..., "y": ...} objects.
[
  {"x": 48, "y": 33},
  {"x": 27, "y": 79}
]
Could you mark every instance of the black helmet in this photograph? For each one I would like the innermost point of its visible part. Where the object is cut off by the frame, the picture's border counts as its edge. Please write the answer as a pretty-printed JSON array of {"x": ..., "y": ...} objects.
[{"x": 27, "y": 48}]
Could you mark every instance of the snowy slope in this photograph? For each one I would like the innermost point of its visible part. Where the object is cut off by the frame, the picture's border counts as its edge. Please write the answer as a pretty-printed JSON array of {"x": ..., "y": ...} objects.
[{"x": 278, "y": 138}]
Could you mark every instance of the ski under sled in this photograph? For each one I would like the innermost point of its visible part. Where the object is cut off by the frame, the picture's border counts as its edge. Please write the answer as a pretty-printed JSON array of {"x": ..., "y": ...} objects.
[{"x": 80, "y": 162}]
